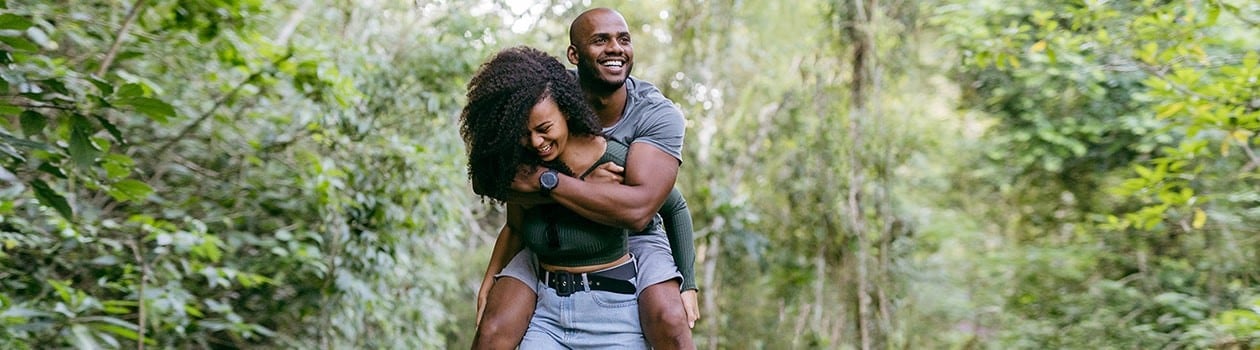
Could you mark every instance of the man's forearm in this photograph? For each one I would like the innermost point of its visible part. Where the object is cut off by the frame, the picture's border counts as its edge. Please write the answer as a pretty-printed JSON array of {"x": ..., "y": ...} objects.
[
  {"x": 610, "y": 204},
  {"x": 650, "y": 175}
]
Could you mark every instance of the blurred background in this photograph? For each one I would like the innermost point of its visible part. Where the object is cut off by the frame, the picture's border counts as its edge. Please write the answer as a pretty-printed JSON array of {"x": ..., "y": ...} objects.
[{"x": 864, "y": 174}]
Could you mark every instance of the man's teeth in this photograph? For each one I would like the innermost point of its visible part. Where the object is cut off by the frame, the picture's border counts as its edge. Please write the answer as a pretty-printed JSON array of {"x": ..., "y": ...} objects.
[{"x": 613, "y": 63}]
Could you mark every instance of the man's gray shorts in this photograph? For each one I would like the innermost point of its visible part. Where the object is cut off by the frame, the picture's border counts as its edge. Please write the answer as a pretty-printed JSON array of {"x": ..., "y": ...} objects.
[{"x": 651, "y": 253}]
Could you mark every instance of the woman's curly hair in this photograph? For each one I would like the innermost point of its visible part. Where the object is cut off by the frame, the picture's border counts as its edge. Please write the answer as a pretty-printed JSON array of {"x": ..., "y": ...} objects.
[{"x": 500, "y": 97}]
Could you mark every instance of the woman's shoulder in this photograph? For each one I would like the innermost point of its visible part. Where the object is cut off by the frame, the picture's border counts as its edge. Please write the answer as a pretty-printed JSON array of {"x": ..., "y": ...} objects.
[{"x": 616, "y": 150}]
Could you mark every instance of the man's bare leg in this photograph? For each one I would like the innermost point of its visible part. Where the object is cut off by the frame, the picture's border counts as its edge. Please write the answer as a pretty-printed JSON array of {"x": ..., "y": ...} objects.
[
  {"x": 506, "y": 318},
  {"x": 663, "y": 318}
]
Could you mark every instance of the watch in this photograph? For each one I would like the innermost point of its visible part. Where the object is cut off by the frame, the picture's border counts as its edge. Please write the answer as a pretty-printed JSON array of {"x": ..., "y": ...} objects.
[{"x": 548, "y": 181}]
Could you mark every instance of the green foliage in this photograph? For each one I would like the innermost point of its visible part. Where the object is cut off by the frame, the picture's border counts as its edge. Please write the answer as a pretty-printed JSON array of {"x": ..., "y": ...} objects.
[
  {"x": 253, "y": 174},
  {"x": 1125, "y": 114},
  {"x": 216, "y": 188}
]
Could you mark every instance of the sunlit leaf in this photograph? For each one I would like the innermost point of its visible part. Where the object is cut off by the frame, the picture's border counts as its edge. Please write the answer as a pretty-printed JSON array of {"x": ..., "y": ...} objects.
[
  {"x": 1170, "y": 110},
  {"x": 1241, "y": 135},
  {"x": 1038, "y": 47},
  {"x": 1200, "y": 218}
]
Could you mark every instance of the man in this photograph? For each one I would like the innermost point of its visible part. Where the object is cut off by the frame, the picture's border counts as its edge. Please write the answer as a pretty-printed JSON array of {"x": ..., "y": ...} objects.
[{"x": 636, "y": 113}]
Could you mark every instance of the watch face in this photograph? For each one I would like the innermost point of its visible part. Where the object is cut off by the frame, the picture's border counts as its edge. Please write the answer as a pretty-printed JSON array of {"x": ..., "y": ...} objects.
[{"x": 549, "y": 180}]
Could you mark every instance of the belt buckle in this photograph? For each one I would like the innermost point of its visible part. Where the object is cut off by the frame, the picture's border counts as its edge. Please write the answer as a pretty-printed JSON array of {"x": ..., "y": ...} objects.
[{"x": 565, "y": 283}]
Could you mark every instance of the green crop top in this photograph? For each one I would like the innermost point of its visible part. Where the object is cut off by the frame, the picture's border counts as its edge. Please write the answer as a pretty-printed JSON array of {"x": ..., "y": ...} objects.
[{"x": 560, "y": 237}]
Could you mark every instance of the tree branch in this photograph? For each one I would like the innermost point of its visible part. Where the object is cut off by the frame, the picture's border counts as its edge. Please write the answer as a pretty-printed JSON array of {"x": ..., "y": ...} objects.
[
  {"x": 217, "y": 104},
  {"x": 118, "y": 38},
  {"x": 144, "y": 275}
]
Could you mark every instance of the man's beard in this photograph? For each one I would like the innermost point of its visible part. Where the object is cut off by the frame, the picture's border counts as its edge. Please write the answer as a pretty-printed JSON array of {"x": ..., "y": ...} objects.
[{"x": 591, "y": 78}]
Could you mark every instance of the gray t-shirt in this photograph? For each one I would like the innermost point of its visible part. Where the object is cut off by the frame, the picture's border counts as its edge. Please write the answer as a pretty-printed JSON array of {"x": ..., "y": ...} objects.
[{"x": 649, "y": 117}]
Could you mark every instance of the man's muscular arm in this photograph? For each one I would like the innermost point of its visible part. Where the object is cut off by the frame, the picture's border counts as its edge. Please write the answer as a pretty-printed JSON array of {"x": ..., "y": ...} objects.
[{"x": 650, "y": 175}]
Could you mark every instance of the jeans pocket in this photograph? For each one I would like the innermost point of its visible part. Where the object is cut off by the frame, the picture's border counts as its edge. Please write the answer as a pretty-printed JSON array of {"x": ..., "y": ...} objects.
[{"x": 614, "y": 300}]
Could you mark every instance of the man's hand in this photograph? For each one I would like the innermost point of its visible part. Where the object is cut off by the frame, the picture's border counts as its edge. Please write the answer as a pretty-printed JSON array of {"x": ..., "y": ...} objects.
[
  {"x": 689, "y": 304},
  {"x": 607, "y": 173},
  {"x": 526, "y": 181},
  {"x": 482, "y": 294}
]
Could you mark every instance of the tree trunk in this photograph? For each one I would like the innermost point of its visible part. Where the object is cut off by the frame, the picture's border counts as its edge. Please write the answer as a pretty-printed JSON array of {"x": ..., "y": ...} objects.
[{"x": 859, "y": 31}]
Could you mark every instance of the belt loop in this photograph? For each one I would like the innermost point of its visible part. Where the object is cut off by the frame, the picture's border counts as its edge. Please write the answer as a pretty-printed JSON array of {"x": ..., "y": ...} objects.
[{"x": 586, "y": 283}]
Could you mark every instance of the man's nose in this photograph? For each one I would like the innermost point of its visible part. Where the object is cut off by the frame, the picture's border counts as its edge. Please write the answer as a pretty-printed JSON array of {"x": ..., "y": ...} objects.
[{"x": 614, "y": 47}]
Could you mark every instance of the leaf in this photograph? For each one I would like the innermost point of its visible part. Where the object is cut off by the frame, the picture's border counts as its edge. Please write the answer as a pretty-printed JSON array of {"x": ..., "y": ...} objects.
[
  {"x": 1170, "y": 110},
  {"x": 1200, "y": 218},
  {"x": 130, "y": 90},
  {"x": 105, "y": 87},
  {"x": 19, "y": 43},
  {"x": 151, "y": 107},
  {"x": 130, "y": 189},
  {"x": 53, "y": 170},
  {"x": 117, "y": 166},
  {"x": 82, "y": 150},
  {"x": 113, "y": 130},
  {"x": 1142, "y": 171},
  {"x": 1214, "y": 12},
  {"x": 7, "y": 109},
  {"x": 20, "y": 142},
  {"x": 118, "y": 330},
  {"x": 83, "y": 338},
  {"x": 11, "y": 21},
  {"x": 1038, "y": 47},
  {"x": 33, "y": 123},
  {"x": 1241, "y": 135},
  {"x": 47, "y": 196}
]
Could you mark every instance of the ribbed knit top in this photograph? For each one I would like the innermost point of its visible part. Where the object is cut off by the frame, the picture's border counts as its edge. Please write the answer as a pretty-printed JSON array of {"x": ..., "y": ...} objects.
[{"x": 561, "y": 237}]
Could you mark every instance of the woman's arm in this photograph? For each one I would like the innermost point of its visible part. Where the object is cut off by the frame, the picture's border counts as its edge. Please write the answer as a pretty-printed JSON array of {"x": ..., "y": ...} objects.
[
  {"x": 676, "y": 219},
  {"x": 505, "y": 247}
]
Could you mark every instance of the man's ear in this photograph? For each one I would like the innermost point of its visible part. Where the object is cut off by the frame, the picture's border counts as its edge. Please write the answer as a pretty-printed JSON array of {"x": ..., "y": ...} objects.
[{"x": 572, "y": 53}]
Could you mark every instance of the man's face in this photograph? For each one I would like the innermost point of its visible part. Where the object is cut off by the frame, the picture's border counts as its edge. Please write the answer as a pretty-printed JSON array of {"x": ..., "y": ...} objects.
[{"x": 601, "y": 49}]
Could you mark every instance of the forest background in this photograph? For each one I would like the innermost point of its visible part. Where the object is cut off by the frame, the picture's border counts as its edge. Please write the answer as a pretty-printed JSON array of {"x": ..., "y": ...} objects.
[{"x": 864, "y": 174}]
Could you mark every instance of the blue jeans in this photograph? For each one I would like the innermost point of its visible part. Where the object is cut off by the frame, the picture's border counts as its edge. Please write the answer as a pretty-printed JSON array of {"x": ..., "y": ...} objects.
[{"x": 584, "y": 320}]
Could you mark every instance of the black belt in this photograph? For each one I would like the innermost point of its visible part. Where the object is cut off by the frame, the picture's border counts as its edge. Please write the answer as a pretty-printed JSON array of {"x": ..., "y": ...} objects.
[{"x": 616, "y": 280}]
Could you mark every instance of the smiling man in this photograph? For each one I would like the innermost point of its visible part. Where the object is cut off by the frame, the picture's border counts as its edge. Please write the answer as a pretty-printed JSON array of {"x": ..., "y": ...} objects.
[{"x": 636, "y": 113}]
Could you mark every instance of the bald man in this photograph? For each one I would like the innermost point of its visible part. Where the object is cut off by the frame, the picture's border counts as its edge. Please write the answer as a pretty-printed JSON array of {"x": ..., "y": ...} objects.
[{"x": 636, "y": 113}]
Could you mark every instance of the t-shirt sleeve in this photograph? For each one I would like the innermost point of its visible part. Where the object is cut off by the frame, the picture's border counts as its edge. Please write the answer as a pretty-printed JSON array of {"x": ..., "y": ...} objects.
[{"x": 663, "y": 127}]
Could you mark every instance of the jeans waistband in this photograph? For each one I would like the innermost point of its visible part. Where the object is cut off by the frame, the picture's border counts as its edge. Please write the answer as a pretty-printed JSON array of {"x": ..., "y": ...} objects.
[{"x": 618, "y": 279}]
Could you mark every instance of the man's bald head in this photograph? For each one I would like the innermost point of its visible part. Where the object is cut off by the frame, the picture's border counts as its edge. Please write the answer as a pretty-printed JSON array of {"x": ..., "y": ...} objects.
[
  {"x": 584, "y": 24},
  {"x": 600, "y": 47}
]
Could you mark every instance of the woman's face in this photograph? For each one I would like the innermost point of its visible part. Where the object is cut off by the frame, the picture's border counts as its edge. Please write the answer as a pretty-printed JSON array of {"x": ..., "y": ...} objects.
[{"x": 547, "y": 130}]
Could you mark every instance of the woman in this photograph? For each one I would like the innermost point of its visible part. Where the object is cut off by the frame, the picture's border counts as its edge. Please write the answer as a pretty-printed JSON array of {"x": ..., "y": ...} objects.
[{"x": 524, "y": 110}]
